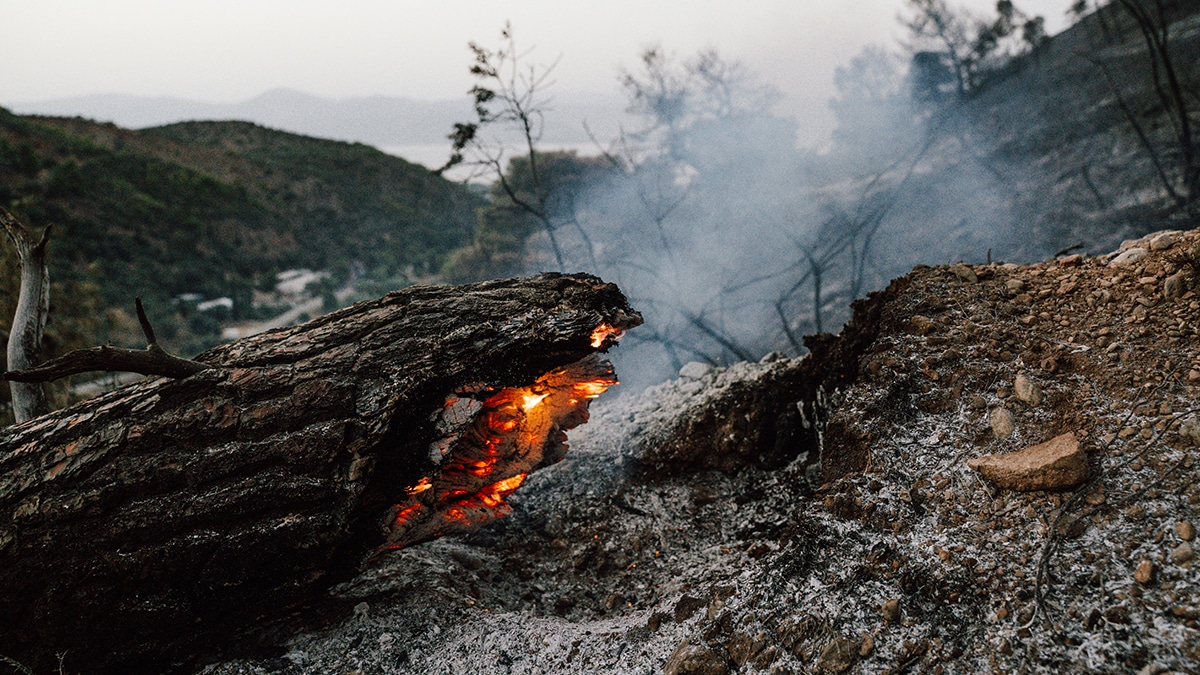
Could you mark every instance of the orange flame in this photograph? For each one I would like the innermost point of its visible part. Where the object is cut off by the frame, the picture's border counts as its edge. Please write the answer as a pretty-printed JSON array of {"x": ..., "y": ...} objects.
[
  {"x": 421, "y": 486},
  {"x": 494, "y": 494},
  {"x": 593, "y": 388},
  {"x": 601, "y": 334},
  {"x": 530, "y": 400}
]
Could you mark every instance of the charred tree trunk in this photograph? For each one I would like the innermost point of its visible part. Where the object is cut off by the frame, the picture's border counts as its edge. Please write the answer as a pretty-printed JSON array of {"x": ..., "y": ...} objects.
[{"x": 174, "y": 520}]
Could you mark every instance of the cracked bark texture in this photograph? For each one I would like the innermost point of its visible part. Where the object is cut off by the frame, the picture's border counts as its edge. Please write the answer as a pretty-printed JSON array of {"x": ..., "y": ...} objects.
[{"x": 174, "y": 520}]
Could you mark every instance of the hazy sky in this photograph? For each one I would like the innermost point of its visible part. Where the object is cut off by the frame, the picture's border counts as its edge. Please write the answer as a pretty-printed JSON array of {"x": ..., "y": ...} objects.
[{"x": 229, "y": 50}]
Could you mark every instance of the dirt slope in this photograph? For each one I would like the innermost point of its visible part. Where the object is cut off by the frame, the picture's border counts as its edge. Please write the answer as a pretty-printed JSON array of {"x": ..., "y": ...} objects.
[{"x": 647, "y": 553}]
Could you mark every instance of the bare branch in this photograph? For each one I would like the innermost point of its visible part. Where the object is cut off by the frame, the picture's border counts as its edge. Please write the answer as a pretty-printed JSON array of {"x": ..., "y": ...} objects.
[{"x": 153, "y": 360}]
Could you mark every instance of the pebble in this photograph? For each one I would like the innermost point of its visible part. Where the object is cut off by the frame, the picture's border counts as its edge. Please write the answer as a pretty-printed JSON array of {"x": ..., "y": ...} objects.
[
  {"x": 1182, "y": 553},
  {"x": 1054, "y": 465},
  {"x": 690, "y": 659},
  {"x": 1002, "y": 421},
  {"x": 1175, "y": 286},
  {"x": 1144, "y": 574},
  {"x": 965, "y": 273},
  {"x": 694, "y": 370},
  {"x": 1185, "y": 530},
  {"x": 838, "y": 656},
  {"x": 891, "y": 610},
  {"x": 920, "y": 325},
  {"x": 1190, "y": 429},
  {"x": 1027, "y": 390}
]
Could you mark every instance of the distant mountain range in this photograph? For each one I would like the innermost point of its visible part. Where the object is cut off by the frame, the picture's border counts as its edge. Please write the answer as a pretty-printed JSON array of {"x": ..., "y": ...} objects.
[{"x": 381, "y": 121}]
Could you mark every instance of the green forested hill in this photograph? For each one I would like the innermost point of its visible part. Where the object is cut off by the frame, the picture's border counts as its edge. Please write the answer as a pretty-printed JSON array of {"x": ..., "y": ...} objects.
[{"x": 215, "y": 207}]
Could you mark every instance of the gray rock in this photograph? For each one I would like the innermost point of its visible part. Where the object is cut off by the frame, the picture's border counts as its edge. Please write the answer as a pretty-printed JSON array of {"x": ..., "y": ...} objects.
[
  {"x": 1163, "y": 241},
  {"x": 1128, "y": 257}
]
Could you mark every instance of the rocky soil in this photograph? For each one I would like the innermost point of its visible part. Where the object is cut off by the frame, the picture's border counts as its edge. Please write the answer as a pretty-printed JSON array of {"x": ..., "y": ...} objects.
[{"x": 881, "y": 551}]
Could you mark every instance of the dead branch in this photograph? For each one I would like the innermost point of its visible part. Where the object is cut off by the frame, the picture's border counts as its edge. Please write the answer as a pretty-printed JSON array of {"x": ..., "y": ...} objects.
[{"x": 153, "y": 360}]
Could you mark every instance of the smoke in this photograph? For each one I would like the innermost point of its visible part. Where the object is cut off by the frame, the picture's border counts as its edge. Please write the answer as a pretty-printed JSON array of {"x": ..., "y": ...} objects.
[{"x": 734, "y": 243}]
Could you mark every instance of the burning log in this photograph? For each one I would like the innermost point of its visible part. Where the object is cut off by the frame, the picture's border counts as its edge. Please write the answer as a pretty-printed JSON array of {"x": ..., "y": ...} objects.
[{"x": 176, "y": 519}]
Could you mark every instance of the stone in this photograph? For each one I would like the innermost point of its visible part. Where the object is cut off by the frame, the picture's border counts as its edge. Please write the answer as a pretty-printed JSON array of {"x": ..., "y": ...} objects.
[
  {"x": 838, "y": 656},
  {"x": 867, "y": 646},
  {"x": 1054, "y": 465},
  {"x": 965, "y": 273},
  {"x": 920, "y": 325},
  {"x": 1182, "y": 553},
  {"x": 1144, "y": 574},
  {"x": 891, "y": 610},
  {"x": 1073, "y": 260},
  {"x": 1128, "y": 257},
  {"x": 690, "y": 659},
  {"x": 1175, "y": 286},
  {"x": 742, "y": 648},
  {"x": 686, "y": 607},
  {"x": 1164, "y": 241},
  {"x": 1185, "y": 530},
  {"x": 1189, "y": 429},
  {"x": 1027, "y": 390},
  {"x": 694, "y": 370},
  {"x": 1002, "y": 422}
]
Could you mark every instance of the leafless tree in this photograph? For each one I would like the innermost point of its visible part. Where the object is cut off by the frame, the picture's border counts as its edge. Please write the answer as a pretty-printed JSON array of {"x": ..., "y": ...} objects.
[
  {"x": 29, "y": 321},
  {"x": 1153, "y": 19},
  {"x": 972, "y": 47},
  {"x": 509, "y": 96}
]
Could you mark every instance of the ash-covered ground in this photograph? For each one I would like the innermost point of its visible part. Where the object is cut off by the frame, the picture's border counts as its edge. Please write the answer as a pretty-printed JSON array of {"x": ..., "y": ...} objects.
[{"x": 642, "y": 553}]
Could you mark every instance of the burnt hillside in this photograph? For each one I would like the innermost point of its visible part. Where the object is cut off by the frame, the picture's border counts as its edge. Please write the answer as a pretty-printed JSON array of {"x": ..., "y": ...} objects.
[{"x": 673, "y": 538}]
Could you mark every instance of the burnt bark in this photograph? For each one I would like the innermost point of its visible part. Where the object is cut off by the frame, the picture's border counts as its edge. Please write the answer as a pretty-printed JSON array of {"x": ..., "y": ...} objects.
[{"x": 176, "y": 520}]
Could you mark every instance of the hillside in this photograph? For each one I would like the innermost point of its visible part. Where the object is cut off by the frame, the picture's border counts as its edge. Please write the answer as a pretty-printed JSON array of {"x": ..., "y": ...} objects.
[
  {"x": 216, "y": 207},
  {"x": 729, "y": 522},
  {"x": 1046, "y": 154}
]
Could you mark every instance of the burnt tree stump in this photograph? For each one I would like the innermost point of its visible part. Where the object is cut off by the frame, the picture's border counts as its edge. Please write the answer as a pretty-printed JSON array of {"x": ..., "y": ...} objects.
[{"x": 172, "y": 521}]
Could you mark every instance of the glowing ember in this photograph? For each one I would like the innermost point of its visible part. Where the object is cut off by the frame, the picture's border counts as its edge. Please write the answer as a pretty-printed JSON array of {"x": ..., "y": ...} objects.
[
  {"x": 531, "y": 400},
  {"x": 421, "y": 486},
  {"x": 494, "y": 494},
  {"x": 594, "y": 388},
  {"x": 510, "y": 433},
  {"x": 601, "y": 334}
]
